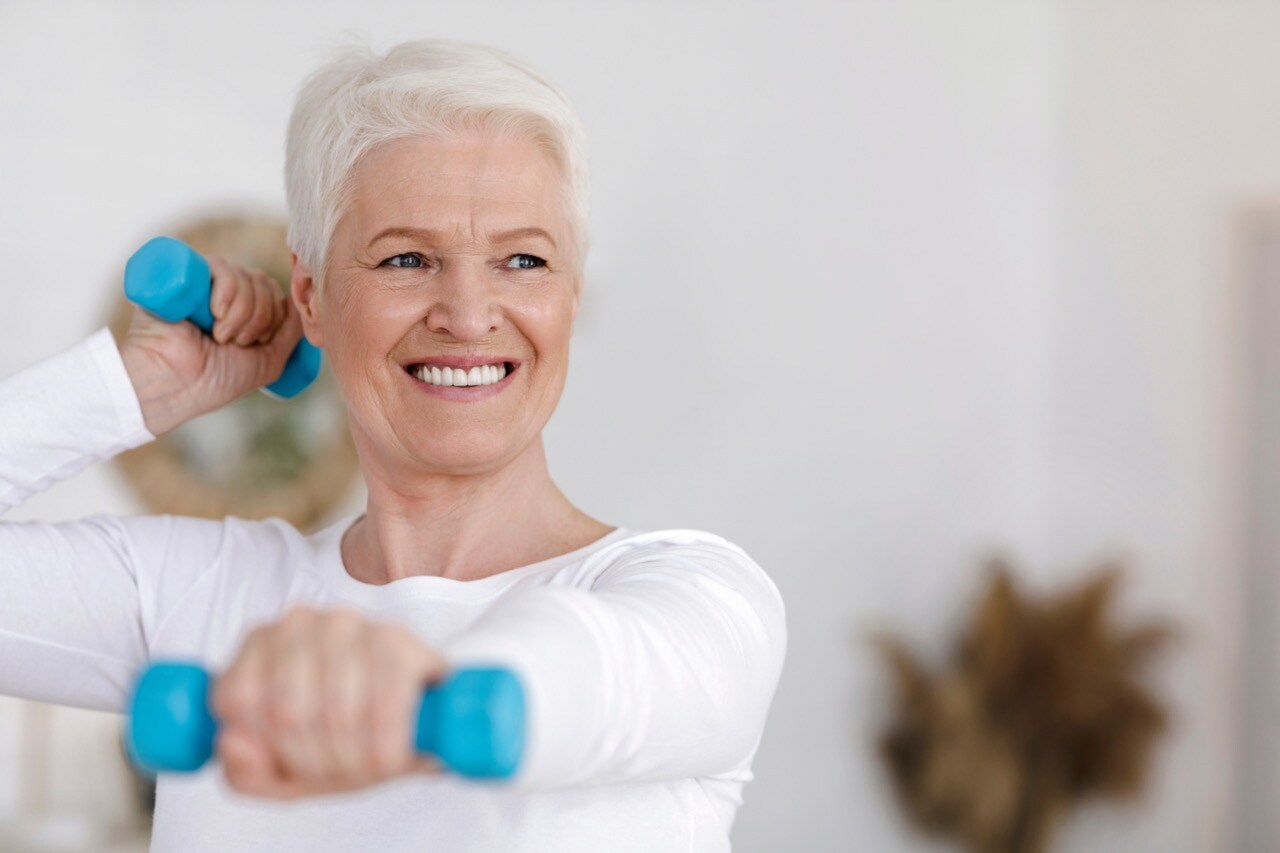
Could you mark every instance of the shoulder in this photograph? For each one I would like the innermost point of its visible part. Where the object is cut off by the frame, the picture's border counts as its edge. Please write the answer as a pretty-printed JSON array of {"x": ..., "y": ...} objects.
[
  {"x": 674, "y": 544},
  {"x": 683, "y": 556}
]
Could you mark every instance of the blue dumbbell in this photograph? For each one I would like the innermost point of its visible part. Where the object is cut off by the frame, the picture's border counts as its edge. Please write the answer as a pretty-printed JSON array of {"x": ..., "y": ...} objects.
[
  {"x": 473, "y": 722},
  {"x": 170, "y": 279}
]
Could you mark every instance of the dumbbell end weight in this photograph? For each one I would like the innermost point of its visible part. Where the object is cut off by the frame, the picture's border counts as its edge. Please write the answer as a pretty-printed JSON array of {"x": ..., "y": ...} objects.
[
  {"x": 170, "y": 727},
  {"x": 171, "y": 280},
  {"x": 474, "y": 723},
  {"x": 299, "y": 372}
]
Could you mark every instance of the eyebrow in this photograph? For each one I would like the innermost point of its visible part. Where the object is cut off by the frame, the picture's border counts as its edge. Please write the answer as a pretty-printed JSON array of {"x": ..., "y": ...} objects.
[{"x": 436, "y": 236}]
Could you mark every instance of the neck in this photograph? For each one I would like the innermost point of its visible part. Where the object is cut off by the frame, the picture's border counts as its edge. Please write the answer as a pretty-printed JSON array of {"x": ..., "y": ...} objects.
[{"x": 464, "y": 527}]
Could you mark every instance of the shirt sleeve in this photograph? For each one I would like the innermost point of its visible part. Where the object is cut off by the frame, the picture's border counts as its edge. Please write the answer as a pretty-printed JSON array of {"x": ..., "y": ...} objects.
[
  {"x": 64, "y": 413},
  {"x": 665, "y": 668},
  {"x": 70, "y": 619}
]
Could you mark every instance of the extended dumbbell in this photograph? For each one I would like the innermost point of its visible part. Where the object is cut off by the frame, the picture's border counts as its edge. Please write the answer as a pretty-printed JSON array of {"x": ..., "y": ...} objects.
[
  {"x": 170, "y": 279},
  {"x": 473, "y": 721}
]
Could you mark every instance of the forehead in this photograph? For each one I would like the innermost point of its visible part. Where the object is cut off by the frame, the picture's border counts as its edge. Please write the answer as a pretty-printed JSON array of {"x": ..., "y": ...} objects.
[{"x": 457, "y": 182}]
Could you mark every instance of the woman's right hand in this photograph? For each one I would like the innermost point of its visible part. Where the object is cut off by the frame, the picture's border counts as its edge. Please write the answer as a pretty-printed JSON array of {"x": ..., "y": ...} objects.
[{"x": 179, "y": 372}]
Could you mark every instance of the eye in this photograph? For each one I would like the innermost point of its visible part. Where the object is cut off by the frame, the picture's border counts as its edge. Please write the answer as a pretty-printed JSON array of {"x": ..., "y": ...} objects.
[
  {"x": 525, "y": 262},
  {"x": 409, "y": 260}
]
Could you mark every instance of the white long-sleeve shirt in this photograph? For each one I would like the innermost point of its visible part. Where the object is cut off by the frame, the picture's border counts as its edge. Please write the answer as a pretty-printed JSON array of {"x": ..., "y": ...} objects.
[{"x": 649, "y": 659}]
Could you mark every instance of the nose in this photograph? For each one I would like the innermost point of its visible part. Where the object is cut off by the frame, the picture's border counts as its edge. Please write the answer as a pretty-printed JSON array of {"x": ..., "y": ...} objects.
[{"x": 465, "y": 306}]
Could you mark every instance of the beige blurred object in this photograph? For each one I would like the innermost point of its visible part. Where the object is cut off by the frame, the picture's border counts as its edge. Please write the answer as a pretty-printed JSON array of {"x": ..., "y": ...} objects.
[
  {"x": 1039, "y": 710},
  {"x": 1255, "y": 412},
  {"x": 260, "y": 457}
]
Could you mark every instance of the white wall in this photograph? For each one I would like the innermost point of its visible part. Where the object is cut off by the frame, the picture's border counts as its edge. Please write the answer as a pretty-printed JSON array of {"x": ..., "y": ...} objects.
[{"x": 822, "y": 307}]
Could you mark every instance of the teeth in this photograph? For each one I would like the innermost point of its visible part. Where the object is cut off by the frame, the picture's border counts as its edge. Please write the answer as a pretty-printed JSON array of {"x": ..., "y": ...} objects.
[{"x": 484, "y": 374}]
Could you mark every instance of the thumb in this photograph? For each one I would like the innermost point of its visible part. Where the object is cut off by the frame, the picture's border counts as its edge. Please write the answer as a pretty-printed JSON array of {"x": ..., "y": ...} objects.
[{"x": 246, "y": 761}]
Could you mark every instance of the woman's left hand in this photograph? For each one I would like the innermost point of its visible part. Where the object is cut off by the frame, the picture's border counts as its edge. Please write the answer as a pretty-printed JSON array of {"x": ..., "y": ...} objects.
[{"x": 322, "y": 702}]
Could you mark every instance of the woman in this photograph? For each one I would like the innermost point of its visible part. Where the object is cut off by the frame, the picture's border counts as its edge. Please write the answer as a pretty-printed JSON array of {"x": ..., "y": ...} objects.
[{"x": 437, "y": 196}]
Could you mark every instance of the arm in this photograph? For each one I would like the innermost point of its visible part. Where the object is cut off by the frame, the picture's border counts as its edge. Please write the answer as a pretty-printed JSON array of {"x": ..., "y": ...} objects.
[
  {"x": 73, "y": 624},
  {"x": 664, "y": 669},
  {"x": 69, "y": 626},
  {"x": 64, "y": 413}
]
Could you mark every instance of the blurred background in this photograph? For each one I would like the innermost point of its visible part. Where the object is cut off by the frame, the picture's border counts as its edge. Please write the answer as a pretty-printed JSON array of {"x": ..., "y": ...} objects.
[{"x": 877, "y": 289}]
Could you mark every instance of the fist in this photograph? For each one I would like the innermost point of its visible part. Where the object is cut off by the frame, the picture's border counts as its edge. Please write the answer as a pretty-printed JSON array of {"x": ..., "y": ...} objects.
[
  {"x": 179, "y": 372},
  {"x": 322, "y": 702}
]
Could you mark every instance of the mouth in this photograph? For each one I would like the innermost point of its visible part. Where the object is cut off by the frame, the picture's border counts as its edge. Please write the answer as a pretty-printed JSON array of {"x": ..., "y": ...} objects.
[{"x": 469, "y": 373}]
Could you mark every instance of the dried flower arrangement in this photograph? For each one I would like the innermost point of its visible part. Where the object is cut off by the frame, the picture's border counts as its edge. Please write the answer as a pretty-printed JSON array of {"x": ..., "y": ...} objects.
[{"x": 1039, "y": 710}]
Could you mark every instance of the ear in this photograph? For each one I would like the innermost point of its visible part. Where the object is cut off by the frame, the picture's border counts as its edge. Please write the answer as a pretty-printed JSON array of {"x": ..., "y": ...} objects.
[{"x": 306, "y": 297}]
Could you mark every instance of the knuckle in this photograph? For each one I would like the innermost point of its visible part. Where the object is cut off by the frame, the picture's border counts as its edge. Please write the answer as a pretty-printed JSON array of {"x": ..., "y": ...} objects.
[
  {"x": 259, "y": 633},
  {"x": 298, "y": 614},
  {"x": 344, "y": 620},
  {"x": 286, "y": 712},
  {"x": 341, "y": 716},
  {"x": 386, "y": 714},
  {"x": 388, "y": 638}
]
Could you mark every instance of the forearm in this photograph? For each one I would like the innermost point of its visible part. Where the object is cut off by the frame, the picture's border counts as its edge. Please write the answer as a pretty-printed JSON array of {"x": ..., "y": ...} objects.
[
  {"x": 665, "y": 672},
  {"x": 164, "y": 401},
  {"x": 64, "y": 413}
]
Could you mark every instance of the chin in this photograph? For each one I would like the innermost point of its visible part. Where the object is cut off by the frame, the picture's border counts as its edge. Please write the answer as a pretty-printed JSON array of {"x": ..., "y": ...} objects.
[{"x": 456, "y": 453}]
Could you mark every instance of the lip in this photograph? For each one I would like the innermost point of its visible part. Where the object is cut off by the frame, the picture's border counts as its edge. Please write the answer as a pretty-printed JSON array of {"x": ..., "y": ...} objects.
[
  {"x": 467, "y": 361},
  {"x": 464, "y": 394}
]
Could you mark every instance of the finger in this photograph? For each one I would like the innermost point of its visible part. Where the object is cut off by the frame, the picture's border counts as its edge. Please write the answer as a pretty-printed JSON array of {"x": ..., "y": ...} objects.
[
  {"x": 239, "y": 311},
  {"x": 259, "y": 321},
  {"x": 246, "y": 761},
  {"x": 346, "y": 695},
  {"x": 251, "y": 767},
  {"x": 391, "y": 698},
  {"x": 286, "y": 336},
  {"x": 278, "y": 312},
  {"x": 224, "y": 286},
  {"x": 294, "y": 687},
  {"x": 239, "y": 693},
  {"x": 401, "y": 667}
]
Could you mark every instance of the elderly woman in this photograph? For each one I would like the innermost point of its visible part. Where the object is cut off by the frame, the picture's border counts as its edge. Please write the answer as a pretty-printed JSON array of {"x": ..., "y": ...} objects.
[{"x": 437, "y": 196}]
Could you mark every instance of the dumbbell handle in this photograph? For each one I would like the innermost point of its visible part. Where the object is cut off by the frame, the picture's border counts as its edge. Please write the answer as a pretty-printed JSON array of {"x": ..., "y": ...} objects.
[
  {"x": 171, "y": 280},
  {"x": 473, "y": 721}
]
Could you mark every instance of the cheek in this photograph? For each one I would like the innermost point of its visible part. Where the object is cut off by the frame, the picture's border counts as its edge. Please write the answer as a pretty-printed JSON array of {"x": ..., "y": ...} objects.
[
  {"x": 367, "y": 328},
  {"x": 549, "y": 325}
]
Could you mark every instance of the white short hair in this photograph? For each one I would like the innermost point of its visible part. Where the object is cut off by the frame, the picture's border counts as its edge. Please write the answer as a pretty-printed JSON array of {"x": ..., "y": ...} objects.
[{"x": 433, "y": 88}]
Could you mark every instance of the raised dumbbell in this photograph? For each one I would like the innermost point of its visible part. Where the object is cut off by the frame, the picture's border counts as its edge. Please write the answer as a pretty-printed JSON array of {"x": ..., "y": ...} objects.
[
  {"x": 170, "y": 279},
  {"x": 473, "y": 721}
]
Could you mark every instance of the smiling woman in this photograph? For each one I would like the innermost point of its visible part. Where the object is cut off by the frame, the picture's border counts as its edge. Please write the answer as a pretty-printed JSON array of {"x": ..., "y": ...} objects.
[
  {"x": 447, "y": 256},
  {"x": 437, "y": 198}
]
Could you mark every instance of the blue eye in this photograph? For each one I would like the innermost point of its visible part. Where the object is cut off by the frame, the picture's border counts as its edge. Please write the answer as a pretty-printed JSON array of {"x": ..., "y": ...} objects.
[
  {"x": 525, "y": 262},
  {"x": 409, "y": 260}
]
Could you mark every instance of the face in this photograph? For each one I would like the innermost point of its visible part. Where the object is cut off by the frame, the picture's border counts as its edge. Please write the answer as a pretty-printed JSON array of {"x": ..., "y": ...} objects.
[{"x": 453, "y": 254}]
